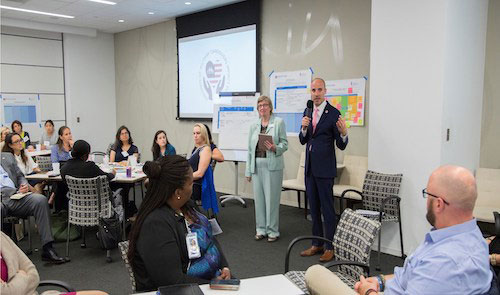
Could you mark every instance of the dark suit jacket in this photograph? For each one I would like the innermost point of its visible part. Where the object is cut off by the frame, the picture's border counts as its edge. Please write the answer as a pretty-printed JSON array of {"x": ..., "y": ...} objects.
[
  {"x": 9, "y": 164},
  {"x": 320, "y": 152},
  {"x": 82, "y": 169}
]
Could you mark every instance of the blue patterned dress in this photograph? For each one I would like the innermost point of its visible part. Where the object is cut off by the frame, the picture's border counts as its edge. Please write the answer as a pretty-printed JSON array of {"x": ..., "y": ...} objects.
[{"x": 209, "y": 264}]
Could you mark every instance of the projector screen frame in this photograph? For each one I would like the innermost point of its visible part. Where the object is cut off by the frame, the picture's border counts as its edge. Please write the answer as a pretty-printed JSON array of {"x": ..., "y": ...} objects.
[{"x": 240, "y": 14}]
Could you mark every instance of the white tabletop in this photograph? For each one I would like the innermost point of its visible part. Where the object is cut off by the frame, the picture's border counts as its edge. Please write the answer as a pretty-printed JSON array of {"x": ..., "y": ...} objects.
[
  {"x": 39, "y": 153},
  {"x": 120, "y": 177},
  {"x": 273, "y": 284}
]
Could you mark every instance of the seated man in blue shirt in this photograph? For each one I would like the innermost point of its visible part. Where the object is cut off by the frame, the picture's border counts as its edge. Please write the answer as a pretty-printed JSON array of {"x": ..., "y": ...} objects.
[
  {"x": 12, "y": 181},
  {"x": 453, "y": 259}
]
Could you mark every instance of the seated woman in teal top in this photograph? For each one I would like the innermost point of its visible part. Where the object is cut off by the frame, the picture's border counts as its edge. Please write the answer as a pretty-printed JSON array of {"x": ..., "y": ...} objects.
[{"x": 161, "y": 147}]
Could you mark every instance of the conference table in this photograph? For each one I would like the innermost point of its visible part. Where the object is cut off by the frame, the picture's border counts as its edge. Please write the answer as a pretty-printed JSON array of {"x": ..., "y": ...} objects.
[
  {"x": 39, "y": 153},
  {"x": 273, "y": 284}
]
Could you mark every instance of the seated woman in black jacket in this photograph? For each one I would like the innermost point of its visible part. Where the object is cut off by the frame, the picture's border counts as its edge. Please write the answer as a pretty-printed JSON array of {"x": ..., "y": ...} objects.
[
  {"x": 158, "y": 252},
  {"x": 78, "y": 166}
]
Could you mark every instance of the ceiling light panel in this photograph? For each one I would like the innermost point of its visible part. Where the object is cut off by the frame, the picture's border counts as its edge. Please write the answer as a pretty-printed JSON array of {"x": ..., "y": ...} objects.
[
  {"x": 35, "y": 11},
  {"x": 103, "y": 2}
]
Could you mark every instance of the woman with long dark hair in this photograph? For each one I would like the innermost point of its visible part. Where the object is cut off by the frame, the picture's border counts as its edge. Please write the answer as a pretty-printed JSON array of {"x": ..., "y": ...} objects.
[
  {"x": 158, "y": 252},
  {"x": 161, "y": 147},
  {"x": 24, "y": 162},
  {"x": 123, "y": 147},
  {"x": 60, "y": 152}
]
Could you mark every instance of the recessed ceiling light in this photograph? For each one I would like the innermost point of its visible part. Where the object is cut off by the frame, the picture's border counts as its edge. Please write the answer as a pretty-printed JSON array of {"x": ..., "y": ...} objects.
[
  {"x": 151, "y": 13},
  {"x": 121, "y": 21},
  {"x": 103, "y": 2},
  {"x": 36, "y": 11},
  {"x": 187, "y": 3}
]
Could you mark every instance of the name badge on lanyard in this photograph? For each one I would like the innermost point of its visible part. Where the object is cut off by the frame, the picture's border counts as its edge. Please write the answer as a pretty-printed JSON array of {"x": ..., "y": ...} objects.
[
  {"x": 125, "y": 154},
  {"x": 26, "y": 138},
  {"x": 193, "y": 248}
]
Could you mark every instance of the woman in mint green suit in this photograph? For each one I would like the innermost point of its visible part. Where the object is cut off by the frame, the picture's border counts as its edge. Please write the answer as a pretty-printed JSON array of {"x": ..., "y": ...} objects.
[{"x": 265, "y": 169}]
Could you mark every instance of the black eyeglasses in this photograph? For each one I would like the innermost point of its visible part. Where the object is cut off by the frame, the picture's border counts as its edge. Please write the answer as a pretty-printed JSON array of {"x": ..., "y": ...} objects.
[{"x": 425, "y": 194}]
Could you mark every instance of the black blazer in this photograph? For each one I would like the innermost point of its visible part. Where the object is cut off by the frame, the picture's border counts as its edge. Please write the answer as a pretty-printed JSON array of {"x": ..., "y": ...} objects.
[
  {"x": 82, "y": 169},
  {"x": 320, "y": 152},
  {"x": 161, "y": 257}
]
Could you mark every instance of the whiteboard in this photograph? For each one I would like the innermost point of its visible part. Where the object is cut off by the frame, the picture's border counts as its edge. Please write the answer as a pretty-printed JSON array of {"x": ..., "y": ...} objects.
[{"x": 232, "y": 119}]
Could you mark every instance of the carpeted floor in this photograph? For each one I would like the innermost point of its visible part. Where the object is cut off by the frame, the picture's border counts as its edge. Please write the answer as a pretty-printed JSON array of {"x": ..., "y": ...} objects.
[{"x": 88, "y": 268}]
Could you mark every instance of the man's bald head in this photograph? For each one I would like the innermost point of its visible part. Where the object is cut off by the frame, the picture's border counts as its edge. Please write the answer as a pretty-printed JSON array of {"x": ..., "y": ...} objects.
[{"x": 456, "y": 185}]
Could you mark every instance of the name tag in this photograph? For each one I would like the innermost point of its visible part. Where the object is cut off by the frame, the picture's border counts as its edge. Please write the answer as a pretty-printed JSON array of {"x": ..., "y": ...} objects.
[
  {"x": 124, "y": 153},
  {"x": 26, "y": 138},
  {"x": 192, "y": 246}
]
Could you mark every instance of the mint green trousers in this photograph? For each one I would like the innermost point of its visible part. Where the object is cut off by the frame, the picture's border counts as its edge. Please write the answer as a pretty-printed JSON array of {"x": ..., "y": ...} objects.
[{"x": 267, "y": 195}]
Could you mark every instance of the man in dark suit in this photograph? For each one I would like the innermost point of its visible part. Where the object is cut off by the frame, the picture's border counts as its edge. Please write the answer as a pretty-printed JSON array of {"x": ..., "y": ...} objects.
[
  {"x": 13, "y": 181},
  {"x": 319, "y": 135}
]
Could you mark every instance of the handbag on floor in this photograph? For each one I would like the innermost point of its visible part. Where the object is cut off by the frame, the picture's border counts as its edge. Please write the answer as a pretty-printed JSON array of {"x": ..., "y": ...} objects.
[{"x": 110, "y": 228}]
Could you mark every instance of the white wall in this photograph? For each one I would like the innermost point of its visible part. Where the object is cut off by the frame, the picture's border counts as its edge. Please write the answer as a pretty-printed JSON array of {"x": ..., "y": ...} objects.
[
  {"x": 463, "y": 81},
  {"x": 416, "y": 55},
  {"x": 90, "y": 88},
  {"x": 32, "y": 63}
]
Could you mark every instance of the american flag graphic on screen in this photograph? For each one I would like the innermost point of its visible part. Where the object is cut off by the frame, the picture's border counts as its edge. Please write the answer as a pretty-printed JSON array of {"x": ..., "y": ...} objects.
[{"x": 214, "y": 74}]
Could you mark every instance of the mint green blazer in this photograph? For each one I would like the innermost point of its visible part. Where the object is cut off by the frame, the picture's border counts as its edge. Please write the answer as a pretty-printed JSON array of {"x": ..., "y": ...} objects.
[{"x": 277, "y": 129}]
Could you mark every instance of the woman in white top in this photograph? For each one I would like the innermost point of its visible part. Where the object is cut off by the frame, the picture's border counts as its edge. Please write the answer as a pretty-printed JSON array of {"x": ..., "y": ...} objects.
[
  {"x": 3, "y": 133},
  {"x": 49, "y": 135},
  {"x": 13, "y": 145}
]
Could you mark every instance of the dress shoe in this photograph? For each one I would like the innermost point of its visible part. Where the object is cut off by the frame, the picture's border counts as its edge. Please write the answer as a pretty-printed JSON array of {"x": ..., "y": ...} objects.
[
  {"x": 327, "y": 256},
  {"x": 51, "y": 256},
  {"x": 312, "y": 251}
]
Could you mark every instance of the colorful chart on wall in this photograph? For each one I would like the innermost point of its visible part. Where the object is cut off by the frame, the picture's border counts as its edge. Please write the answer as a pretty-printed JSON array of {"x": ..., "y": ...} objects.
[{"x": 348, "y": 96}]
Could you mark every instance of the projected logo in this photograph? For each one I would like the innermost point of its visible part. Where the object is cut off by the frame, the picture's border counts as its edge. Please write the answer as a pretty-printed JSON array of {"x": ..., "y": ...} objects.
[{"x": 214, "y": 74}]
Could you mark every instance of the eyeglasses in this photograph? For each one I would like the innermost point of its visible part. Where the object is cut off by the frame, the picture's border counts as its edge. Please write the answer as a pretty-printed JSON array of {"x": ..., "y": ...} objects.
[
  {"x": 16, "y": 141},
  {"x": 263, "y": 105},
  {"x": 425, "y": 194}
]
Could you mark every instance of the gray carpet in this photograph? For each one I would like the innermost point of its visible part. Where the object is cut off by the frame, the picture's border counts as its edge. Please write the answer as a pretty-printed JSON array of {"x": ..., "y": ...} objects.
[{"x": 247, "y": 258}]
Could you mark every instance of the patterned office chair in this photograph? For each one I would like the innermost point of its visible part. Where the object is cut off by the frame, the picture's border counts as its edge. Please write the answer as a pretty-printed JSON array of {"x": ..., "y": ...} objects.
[
  {"x": 44, "y": 163},
  {"x": 123, "y": 246},
  {"x": 381, "y": 194},
  {"x": 352, "y": 244},
  {"x": 83, "y": 204}
]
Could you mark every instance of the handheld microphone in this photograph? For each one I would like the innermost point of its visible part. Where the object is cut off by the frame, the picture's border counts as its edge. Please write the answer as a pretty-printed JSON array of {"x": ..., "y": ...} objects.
[{"x": 309, "y": 109}]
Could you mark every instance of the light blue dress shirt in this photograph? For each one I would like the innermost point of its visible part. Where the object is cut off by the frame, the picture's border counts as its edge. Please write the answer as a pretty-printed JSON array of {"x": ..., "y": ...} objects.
[
  {"x": 452, "y": 260},
  {"x": 5, "y": 180}
]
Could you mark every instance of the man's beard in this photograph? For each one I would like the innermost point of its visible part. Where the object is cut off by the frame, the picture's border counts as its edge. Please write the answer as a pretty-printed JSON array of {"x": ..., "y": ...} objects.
[{"x": 430, "y": 216}]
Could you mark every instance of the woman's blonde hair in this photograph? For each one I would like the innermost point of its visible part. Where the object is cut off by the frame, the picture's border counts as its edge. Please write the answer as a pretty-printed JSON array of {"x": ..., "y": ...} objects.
[
  {"x": 2, "y": 131},
  {"x": 204, "y": 133},
  {"x": 266, "y": 99}
]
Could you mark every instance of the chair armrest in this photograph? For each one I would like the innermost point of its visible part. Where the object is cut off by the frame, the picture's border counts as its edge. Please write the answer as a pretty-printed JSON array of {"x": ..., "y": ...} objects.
[
  {"x": 497, "y": 222},
  {"x": 342, "y": 197},
  {"x": 384, "y": 202},
  {"x": 365, "y": 266},
  {"x": 56, "y": 283},
  {"x": 298, "y": 239}
]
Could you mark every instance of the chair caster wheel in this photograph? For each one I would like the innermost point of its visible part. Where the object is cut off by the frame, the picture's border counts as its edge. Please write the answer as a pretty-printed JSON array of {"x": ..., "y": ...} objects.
[
  {"x": 83, "y": 245},
  {"x": 109, "y": 260}
]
